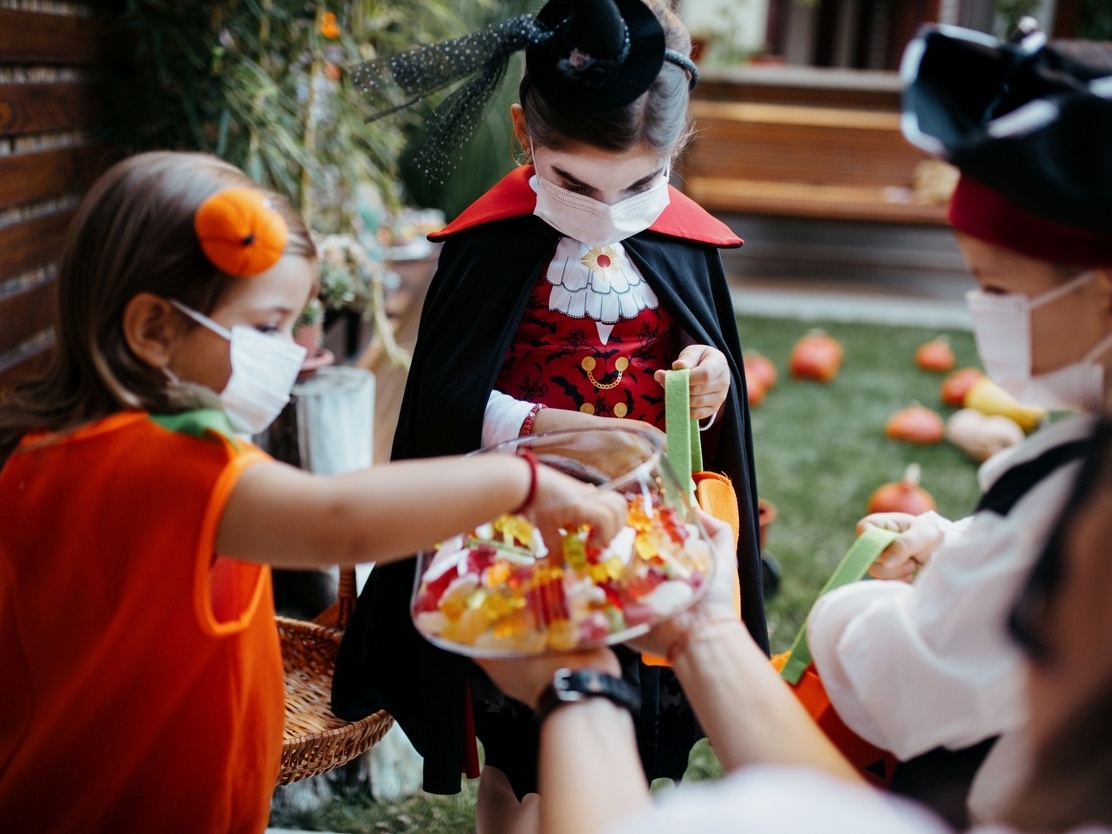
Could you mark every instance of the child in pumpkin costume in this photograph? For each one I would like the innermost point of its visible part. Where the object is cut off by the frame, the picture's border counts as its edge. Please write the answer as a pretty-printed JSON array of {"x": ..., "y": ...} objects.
[
  {"x": 138, "y": 651},
  {"x": 560, "y": 297}
]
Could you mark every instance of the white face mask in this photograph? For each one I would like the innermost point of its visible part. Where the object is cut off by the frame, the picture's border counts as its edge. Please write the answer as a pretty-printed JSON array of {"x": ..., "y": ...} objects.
[
  {"x": 264, "y": 369},
  {"x": 594, "y": 222},
  {"x": 1002, "y": 329}
]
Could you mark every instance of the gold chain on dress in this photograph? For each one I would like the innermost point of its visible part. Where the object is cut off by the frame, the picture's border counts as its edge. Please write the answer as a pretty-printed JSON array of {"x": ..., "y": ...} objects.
[{"x": 588, "y": 364}]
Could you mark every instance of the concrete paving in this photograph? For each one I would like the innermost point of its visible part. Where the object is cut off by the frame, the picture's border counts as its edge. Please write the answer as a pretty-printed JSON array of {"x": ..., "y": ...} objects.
[
  {"x": 825, "y": 269},
  {"x": 897, "y": 302}
]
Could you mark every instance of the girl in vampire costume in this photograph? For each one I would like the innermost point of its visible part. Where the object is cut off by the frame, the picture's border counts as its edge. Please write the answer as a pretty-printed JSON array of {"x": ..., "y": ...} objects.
[{"x": 559, "y": 298}]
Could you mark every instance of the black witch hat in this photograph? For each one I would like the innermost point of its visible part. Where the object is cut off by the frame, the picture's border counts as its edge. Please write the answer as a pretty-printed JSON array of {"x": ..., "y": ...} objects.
[
  {"x": 601, "y": 56},
  {"x": 1028, "y": 119},
  {"x": 586, "y": 56}
]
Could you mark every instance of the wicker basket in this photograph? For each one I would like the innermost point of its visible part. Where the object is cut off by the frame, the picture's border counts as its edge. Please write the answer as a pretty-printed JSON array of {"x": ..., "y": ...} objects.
[{"x": 315, "y": 740}]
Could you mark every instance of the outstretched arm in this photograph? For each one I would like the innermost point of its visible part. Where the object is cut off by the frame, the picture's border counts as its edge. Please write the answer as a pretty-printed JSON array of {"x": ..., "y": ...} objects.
[
  {"x": 290, "y": 518},
  {"x": 748, "y": 712},
  {"x": 590, "y": 774}
]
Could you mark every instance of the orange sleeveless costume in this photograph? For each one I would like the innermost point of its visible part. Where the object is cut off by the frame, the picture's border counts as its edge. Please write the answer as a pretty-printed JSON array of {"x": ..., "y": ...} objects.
[{"x": 141, "y": 675}]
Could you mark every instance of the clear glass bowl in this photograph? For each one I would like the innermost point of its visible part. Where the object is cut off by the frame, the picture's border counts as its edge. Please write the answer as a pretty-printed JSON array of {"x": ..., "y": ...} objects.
[{"x": 501, "y": 591}]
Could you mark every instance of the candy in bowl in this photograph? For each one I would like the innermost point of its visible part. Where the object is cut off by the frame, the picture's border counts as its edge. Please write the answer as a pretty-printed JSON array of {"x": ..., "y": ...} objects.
[{"x": 501, "y": 590}]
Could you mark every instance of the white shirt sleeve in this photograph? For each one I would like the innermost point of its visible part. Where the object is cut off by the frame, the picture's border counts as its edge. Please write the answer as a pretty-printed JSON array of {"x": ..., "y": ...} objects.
[
  {"x": 503, "y": 418},
  {"x": 779, "y": 800},
  {"x": 914, "y": 667},
  {"x": 785, "y": 800}
]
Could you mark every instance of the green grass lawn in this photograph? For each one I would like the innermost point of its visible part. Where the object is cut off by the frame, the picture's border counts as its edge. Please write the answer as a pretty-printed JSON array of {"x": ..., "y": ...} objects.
[
  {"x": 820, "y": 451},
  {"x": 821, "y": 448}
]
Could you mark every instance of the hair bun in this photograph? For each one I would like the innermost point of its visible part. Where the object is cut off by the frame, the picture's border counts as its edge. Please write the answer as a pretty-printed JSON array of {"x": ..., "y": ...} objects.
[{"x": 239, "y": 231}]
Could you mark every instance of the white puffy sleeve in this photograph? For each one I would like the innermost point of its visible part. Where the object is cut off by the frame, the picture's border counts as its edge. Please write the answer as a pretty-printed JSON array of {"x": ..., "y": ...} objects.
[
  {"x": 503, "y": 418},
  {"x": 914, "y": 667},
  {"x": 779, "y": 800}
]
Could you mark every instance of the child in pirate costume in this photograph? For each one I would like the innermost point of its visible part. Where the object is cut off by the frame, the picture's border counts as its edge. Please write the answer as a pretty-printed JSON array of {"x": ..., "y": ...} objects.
[
  {"x": 560, "y": 298},
  {"x": 925, "y": 669}
]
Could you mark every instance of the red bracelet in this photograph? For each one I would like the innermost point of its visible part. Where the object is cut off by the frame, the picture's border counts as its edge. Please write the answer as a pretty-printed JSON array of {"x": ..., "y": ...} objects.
[
  {"x": 527, "y": 423},
  {"x": 531, "y": 459}
]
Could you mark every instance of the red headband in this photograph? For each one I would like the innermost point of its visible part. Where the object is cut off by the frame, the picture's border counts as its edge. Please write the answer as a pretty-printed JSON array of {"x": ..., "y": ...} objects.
[{"x": 986, "y": 214}]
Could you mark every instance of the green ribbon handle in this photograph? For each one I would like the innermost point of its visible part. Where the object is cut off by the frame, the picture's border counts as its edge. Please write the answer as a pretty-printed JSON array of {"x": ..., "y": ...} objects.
[
  {"x": 854, "y": 565},
  {"x": 685, "y": 451}
]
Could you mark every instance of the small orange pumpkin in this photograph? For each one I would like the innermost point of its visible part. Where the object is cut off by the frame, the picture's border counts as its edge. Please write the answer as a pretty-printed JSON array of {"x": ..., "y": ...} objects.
[
  {"x": 817, "y": 356},
  {"x": 239, "y": 231},
  {"x": 760, "y": 376},
  {"x": 904, "y": 496},
  {"x": 915, "y": 424},
  {"x": 935, "y": 355},
  {"x": 956, "y": 383}
]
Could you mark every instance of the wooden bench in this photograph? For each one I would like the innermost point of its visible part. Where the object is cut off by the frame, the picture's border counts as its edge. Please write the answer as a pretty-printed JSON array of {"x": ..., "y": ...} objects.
[{"x": 803, "y": 161}]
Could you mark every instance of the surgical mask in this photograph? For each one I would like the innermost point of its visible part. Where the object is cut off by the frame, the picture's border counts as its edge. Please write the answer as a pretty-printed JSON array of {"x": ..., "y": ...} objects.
[
  {"x": 264, "y": 369},
  {"x": 594, "y": 222},
  {"x": 1002, "y": 329}
]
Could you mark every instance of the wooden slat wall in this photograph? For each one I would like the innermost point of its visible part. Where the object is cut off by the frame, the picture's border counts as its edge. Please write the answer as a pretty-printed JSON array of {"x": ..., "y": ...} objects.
[{"x": 55, "y": 60}]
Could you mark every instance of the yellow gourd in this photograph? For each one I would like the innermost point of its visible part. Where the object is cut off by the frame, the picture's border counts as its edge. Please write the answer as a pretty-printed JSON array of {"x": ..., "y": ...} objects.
[{"x": 989, "y": 398}]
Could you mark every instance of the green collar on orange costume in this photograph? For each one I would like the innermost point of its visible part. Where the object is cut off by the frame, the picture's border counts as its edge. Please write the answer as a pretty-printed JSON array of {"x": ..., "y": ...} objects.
[{"x": 198, "y": 423}]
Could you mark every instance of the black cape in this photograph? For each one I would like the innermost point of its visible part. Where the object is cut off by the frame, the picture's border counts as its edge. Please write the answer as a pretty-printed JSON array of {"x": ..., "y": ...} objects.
[{"x": 486, "y": 272}]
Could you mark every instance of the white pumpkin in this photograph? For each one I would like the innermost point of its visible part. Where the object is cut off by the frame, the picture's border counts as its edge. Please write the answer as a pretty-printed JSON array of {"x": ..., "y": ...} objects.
[{"x": 982, "y": 435}]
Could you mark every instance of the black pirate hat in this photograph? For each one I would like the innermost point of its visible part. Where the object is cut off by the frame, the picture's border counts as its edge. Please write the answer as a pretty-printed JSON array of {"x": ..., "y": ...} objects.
[{"x": 1029, "y": 120}]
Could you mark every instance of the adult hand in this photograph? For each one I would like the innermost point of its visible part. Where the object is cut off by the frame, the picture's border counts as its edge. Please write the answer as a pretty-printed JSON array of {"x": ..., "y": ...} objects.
[
  {"x": 709, "y": 380},
  {"x": 903, "y": 558},
  {"x": 716, "y": 605},
  {"x": 525, "y": 678},
  {"x": 562, "y": 501}
]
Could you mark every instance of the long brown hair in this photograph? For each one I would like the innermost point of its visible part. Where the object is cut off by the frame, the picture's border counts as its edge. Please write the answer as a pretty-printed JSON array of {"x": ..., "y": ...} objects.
[
  {"x": 132, "y": 233},
  {"x": 1070, "y": 775},
  {"x": 658, "y": 119},
  {"x": 1068, "y": 786}
]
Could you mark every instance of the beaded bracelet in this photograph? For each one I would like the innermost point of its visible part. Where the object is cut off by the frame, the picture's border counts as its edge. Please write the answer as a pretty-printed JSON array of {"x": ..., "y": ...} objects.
[
  {"x": 531, "y": 459},
  {"x": 527, "y": 423}
]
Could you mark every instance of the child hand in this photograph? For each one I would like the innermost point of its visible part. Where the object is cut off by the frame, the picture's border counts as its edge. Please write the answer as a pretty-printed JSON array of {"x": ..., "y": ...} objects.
[
  {"x": 717, "y": 605},
  {"x": 525, "y": 678},
  {"x": 903, "y": 558},
  {"x": 562, "y": 501},
  {"x": 560, "y": 419},
  {"x": 709, "y": 380}
]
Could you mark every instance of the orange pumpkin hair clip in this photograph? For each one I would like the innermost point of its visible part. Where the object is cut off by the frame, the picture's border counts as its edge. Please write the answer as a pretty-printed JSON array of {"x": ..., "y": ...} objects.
[{"x": 239, "y": 231}]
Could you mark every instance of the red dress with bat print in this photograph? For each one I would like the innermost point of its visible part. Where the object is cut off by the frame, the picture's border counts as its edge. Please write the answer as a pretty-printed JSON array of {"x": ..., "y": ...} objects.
[{"x": 591, "y": 337}]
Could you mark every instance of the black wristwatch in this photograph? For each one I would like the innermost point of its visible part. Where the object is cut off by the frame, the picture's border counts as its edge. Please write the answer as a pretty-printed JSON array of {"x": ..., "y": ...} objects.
[{"x": 570, "y": 686}]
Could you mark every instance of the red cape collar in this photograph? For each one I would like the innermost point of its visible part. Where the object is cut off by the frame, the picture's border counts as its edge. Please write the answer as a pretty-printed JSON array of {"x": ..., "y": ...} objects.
[{"x": 514, "y": 197}]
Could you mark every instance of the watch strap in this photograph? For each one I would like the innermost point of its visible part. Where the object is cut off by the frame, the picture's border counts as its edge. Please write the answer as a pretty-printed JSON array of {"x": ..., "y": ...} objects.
[{"x": 571, "y": 686}]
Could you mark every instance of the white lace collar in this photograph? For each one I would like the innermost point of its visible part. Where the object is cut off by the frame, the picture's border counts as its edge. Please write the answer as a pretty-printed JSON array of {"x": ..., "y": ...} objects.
[{"x": 599, "y": 283}]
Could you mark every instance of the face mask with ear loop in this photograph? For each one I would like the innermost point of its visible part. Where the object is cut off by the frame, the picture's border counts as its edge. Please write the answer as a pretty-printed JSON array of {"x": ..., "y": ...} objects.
[
  {"x": 1002, "y": 329},
  {"x": 264, "y": 369},
  {"x": 594, "y": 222}
]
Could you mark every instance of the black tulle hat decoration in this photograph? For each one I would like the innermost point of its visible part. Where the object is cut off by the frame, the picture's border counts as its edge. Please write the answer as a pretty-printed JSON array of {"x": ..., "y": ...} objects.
[
  {"x": 393, "y": 83},
  {"x": 589, "y": 56}
]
